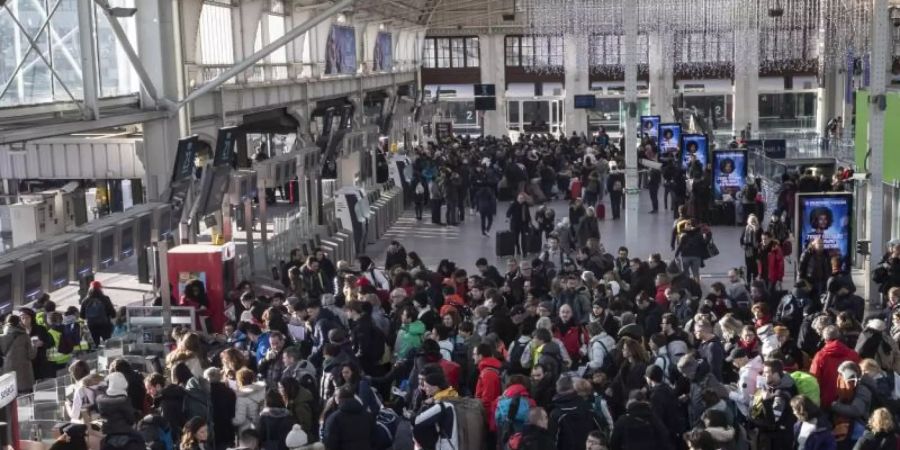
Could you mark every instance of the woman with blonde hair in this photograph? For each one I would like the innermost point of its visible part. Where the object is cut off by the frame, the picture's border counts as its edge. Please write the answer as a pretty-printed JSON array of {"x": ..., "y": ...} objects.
[
  {"x": 188, "y": 351},
  {"x": 881, "y": 433},
  {"x": 232, "y": 361}
]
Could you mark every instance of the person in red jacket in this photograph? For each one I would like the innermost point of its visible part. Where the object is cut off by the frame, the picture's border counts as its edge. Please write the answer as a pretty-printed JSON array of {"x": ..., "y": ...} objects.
[
  {"x": 573, "y": 335},
  {"x": 826, "y": 362},
  {"x": 489, "y": 385},
  {"x": 770, "y": 262}
]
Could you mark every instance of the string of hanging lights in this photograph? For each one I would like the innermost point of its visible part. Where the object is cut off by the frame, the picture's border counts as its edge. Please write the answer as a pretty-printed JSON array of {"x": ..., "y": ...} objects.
[{"x": 702, "y": 36}]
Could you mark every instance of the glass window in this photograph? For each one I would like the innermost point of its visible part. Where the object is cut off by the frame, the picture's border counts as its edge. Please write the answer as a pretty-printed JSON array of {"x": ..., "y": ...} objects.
[
  {"x": 215, "y": 47},
  {"x": 513, "y": 112},
  {"x": 276, "y": 30},
  {"x": 527, "y": 51},
  {"x": 557, "y": 50},
  {"x": 611, "y": 50},
  {"x": 443, "y": 53},
  {"x": 117, "y": 76},
  {"x": 513, "y": 51},
  {"x": 457, "y": 52},
  {"x": 430, "y": 60},
  {"x": 535, "y": 112},
  {"x": 473, "y": 52},
  {"x": 541, "y": 50}
]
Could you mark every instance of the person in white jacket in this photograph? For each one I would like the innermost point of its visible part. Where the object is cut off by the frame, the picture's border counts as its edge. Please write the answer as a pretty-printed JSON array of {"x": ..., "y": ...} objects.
[
  {"x": 600, "y": 346},
  {"x": 749, "y": 371},
  {"x": 250, "y": 397}
]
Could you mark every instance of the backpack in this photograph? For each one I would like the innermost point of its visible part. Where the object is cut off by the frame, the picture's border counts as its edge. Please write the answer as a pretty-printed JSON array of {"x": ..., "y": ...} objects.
[
  {"x": 517, "y": 411},
  {"x": 608, "y": 366},
  {"x": 95, "y": 312},
  {"x": 581, "y": 420},
  {"x": 470, "y": 422},
  {"x": 516, "y": 350},
  {"x": 807, "y": 385},
  {"x": 386, "y": 423}
]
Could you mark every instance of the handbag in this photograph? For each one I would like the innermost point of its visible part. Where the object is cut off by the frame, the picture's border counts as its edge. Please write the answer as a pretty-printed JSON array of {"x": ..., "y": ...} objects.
[{"x": 712, "y": 249}]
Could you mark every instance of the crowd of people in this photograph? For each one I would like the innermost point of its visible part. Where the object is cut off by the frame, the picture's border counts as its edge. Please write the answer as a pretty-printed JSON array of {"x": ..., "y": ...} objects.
[{"x": 568, "y": 347}]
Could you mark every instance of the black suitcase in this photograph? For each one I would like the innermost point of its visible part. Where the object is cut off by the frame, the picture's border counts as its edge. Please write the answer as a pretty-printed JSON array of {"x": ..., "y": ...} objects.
[{"x": 506, "y": 243}]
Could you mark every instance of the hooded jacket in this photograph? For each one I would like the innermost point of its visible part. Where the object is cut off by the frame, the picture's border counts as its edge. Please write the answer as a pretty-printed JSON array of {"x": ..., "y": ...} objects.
[
  {"x": 118, "y": 415},
  {"x": 489, "y": 385},
  {"x": 247, "y": 406},
  {"x": 821, "y": 437},
  {"x": 639, "y": 429},
  {"x": 824, "y": 367},
  {"x": 571, "y": 420},
  {"x": 273, "y": 426},
  {"x": 351, "y": 427},
  {"x": 599, "y": 348},
  {"x": 170, "y": 402},
  {"x": 408, "y": 338}
]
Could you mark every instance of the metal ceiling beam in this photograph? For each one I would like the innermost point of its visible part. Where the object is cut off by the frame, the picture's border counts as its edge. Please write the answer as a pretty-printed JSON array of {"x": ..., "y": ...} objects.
[
  {"x": 136, "y": 63},
  {"x": 248, "y": 62},
  {"x": 30, "y": 133}
]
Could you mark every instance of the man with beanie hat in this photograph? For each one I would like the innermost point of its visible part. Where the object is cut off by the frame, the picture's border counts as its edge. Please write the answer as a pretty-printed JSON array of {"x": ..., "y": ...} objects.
[
  {"x": 600, "y": 313},
  {"x": 115, "y": 407}
]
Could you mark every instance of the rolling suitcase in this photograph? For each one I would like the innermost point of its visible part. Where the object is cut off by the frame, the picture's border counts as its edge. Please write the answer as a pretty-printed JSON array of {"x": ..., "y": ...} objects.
[
  {"x": 600, "y": 211},
  {"x": 506, "y": 243}
]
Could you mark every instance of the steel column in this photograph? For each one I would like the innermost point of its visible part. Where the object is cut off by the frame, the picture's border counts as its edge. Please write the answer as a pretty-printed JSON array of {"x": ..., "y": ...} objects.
[
  {"x": 881, "y": 55},
  {"x": 632, "y": 192},
  {"x": 88, "y": 57}
]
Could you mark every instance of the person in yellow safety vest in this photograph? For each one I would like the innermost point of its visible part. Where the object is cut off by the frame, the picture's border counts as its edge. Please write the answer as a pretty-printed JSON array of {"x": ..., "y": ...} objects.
[
  {"x": 60, "y": 353},
  {"x": 40, "y": 306}
]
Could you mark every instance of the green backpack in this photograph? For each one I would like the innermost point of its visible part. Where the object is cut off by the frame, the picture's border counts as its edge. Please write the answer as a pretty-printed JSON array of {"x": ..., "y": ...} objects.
[{"x": 806, "y": 385}]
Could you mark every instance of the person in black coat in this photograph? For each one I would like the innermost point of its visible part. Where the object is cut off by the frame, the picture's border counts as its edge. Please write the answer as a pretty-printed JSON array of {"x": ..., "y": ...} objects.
[
  {"x": 486, "y": 204},
  {"x": 572, "y": 417},
  {"x": 615, "y": 184},
  {"x": 115, "y": 407},
  {"x": 136, "y": 390},
  {"x": 534, "y": 435},
  {"x": 639, "y": 429},
  {"x": 519, "y": 216},
  {"x": 275, "y": 422},
  {"x": 169, "y": 400},
  {"x": 396, "y": 256},
  {"x": 368, "y": 341},
  {"x": 223, "y": 404},
  {"x": 664, "y": 400},
  {"x": 351, "y": 427}
]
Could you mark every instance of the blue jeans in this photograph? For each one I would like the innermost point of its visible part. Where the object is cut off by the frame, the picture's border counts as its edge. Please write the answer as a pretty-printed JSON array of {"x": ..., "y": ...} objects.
[{"x": 691, "y": 264}]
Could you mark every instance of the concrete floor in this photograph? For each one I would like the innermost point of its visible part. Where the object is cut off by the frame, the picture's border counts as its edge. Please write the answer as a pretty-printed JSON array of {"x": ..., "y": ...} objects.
[{"x": 464, "y": 244}]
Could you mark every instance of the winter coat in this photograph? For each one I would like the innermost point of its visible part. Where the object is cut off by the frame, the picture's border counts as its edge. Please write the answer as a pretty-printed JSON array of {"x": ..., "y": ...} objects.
[
  {"x": 486, "y": 201},
  {"x": 571, "y": 420},
  {"x": 519, "y": 215},
  {"x": 703, "y": 381},
  {"x": 692, "y": 245},
  {"x": 599, "y": 348},
  {"x": 713, "y": 352},
  {"x": 880, "y": 347},
  {"x": 301, "y": 407},
  {"x": 726, "y": 438},
  {"x": 535, "y": 438},
  {"x": 118, "y": 415},
  {"x": 876, "y": 441},
  {"x": 368, "y": 343},
  {"x": 247, "y": 405},
  {"x": 821, "y": 437},
  {"x": 663, "y": 398},
  {"x": 824, "y": 367},
  {"x": 771, "y": 263},
  {"x": 588, "y": 227},
  {"x": 638, "y": 429},
  {"x": 574, "y": 338},
  {"x": 17, "y": 351},
  {"x": 489, "y": 385},
  {"x": 351, "y": 427},
  {"x": 170, "y": 402},
  {"x": 197, "y": 401},
  {"x": 223, "y": 403},
  {"x": 437, "y": 424},
  {"x": 860, "y": 405},
  {"x": 580, "y": 302},
  {"x": 408, "y": 338},
  {"x": 273, "y": 426}
]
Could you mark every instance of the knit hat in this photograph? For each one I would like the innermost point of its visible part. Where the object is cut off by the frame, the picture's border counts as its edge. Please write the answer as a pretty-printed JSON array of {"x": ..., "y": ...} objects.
[
  {"x": 96, "y": 285},
  {"x": 296, "y": 438},
  {"x": 116, "y": 384},
  {"x": 436, "y": 379}
]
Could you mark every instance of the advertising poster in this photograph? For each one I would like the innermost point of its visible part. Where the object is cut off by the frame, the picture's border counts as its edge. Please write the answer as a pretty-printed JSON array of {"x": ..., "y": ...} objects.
[
  {"x": 729, "y": 172},
  {"x": 826, "y": 216},
  {"x": 384, "y": 57},
  {"x": 695, "y": 144},
  {"x": 340, "y": 54},
  {"x": 649, "y": 128},
  {"x": 669, "y": 140}
]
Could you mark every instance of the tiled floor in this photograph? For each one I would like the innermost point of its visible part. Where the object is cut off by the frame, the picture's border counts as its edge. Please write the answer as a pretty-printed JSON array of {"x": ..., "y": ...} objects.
[{"x": 464, "y": 244}]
